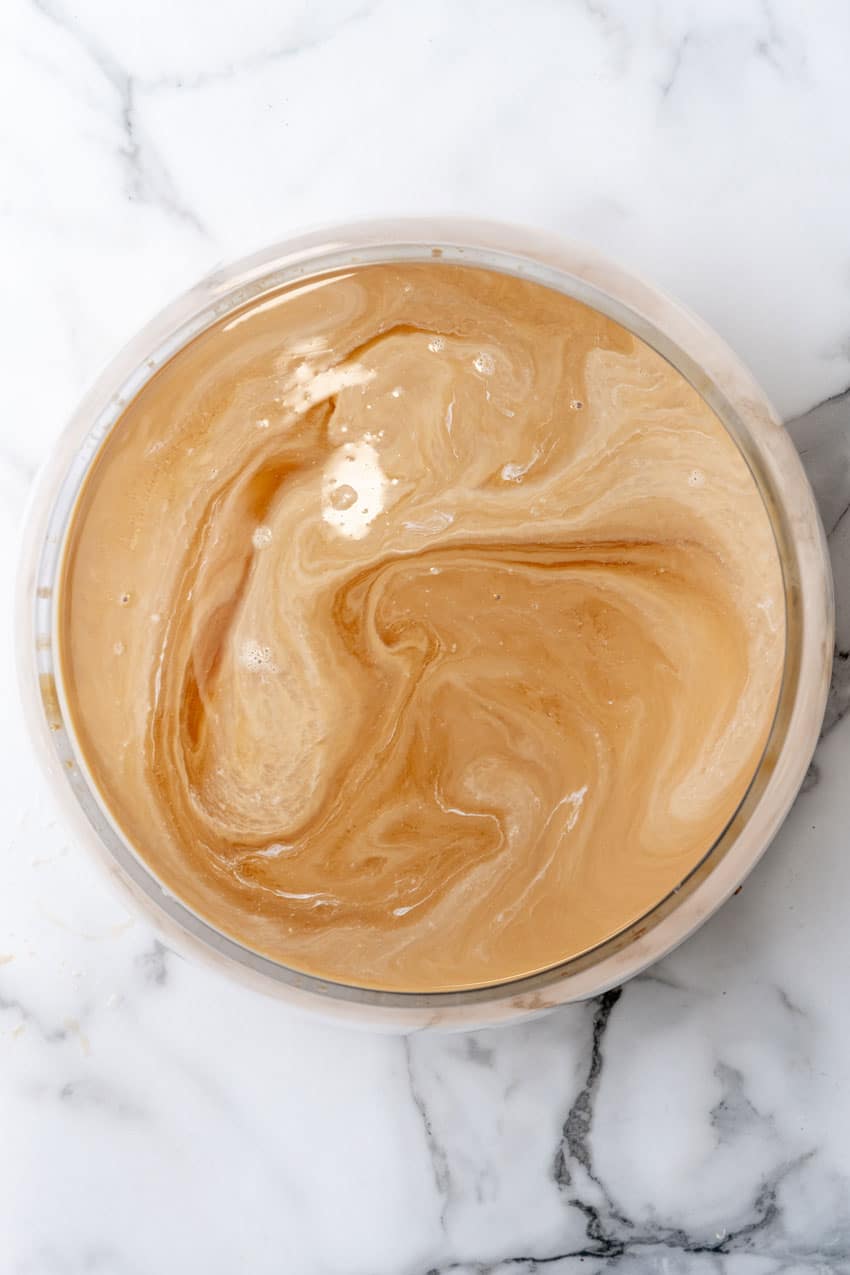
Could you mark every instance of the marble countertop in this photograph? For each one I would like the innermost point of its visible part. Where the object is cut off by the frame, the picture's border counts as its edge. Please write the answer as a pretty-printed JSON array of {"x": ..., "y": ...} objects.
[{"x": 156, "y": 1119}]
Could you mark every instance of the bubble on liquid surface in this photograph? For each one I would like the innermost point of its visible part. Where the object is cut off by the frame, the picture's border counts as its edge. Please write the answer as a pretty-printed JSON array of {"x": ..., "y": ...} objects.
[
  {"x": 484, "y": 364},
  {"x": 354, "y": 488},
  {"x": 696, "y": 478},
  {"x": 256, "y": 657},
  {"x": 436, "y": 344},
  {"x": 343, "y": 497},
  {"x": 262, "y": 536}
]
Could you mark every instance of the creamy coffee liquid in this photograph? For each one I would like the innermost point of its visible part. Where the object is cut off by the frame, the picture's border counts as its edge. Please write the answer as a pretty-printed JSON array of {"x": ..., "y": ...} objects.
[{"x": 421, "y": 627}]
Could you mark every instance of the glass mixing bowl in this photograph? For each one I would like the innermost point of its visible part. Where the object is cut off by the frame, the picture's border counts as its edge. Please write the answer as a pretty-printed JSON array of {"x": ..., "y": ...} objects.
[{"x": 714, "y": 372}]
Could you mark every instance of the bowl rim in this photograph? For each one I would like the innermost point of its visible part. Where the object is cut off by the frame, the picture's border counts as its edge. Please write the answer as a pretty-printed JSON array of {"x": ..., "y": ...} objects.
[{"x": 685, "y": 342}]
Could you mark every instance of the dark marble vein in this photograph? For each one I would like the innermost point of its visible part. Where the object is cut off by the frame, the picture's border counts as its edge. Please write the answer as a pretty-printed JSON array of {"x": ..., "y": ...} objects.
[
  {"x": 153, "y": 964},
  {"x": 735, "y": 1110},
  {"x": 610, "y": 1233},
  {"x": 822, "y": 437},
  {"x": 790, "y": 1006},
  {"x": 772, "y": 46},
  {"x": 147, "y": 177},
  {"x": 657, "y": 1245},
  {"x": 93, "y": 1092},
  {"x": 573, "y": 1168},
  {"x": 50, "y": 1035},
  {"x": 669, "y": 82},
  {"x": 577, "y": 1126},
  {"x": 280, "y": 52},
  {"x": 436, "y": 1151},
  {"x": 479, "y": 1053}
]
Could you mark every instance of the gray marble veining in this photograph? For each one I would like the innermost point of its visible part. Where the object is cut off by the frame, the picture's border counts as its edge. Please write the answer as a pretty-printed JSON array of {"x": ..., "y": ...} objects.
[{"x": 157, "y": 1119}]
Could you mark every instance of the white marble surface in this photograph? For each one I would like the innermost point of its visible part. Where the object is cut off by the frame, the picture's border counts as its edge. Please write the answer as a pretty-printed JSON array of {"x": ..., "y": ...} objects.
[{"x": 154, "y": 1119}]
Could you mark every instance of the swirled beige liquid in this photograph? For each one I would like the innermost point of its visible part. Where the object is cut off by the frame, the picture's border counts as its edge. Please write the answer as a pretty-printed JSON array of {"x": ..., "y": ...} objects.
[{"x": 421, "y": 627}]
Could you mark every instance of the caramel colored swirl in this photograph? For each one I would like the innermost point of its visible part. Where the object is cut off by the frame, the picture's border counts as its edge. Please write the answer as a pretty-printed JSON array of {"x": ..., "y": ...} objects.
[{"x": 421, "y": 627}]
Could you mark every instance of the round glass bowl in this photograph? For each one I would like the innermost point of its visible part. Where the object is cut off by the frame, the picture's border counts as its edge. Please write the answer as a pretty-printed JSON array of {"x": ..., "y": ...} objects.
[{"x": 713, "y": 371}]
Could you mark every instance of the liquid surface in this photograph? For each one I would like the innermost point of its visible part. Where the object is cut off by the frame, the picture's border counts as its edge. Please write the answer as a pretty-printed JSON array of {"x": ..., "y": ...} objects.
[{"x": 420, "y": 626}]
